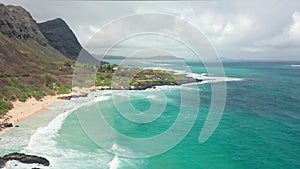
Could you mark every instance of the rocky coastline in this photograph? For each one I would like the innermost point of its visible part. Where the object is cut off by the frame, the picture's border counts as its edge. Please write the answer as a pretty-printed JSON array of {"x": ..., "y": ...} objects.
[
  {"x": 138, "y": 87},
  {"x": 23, "y": 158}
]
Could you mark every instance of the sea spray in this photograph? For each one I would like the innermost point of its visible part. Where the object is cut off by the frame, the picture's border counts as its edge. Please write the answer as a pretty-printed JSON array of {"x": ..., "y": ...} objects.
[
  {"x": 43, "y": 140},
  {"x": 114, "y": 164}
]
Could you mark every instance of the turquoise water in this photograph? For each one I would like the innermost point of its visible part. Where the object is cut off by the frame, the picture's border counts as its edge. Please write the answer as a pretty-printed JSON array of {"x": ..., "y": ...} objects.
[{"x": 260, "y": 126}]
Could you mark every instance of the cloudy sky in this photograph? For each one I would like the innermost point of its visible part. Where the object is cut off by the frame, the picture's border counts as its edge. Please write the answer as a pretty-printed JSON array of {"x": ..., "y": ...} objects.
[{"x": 255, "y": 29}]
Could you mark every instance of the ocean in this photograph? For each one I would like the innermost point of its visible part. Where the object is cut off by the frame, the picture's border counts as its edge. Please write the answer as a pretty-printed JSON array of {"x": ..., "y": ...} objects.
[{"x": 259, "y": 128}]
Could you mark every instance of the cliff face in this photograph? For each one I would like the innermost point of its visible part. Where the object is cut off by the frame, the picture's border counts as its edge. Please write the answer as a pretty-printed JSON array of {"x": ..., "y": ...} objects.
[
  {"x": 62, "y": 38},
  {"x": 23, "y": 48},
  {"x": 29, "y": 65},
  {"x": 16, "y": 22}
]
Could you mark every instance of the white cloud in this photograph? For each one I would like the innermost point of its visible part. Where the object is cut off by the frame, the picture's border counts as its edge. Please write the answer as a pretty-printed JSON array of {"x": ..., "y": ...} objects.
[
  {"x": 254, "y": 49},
  {"x": 237, "y": 28},
  {"x": 220, "y": 28},
  {"x": 289, "y": 37}
]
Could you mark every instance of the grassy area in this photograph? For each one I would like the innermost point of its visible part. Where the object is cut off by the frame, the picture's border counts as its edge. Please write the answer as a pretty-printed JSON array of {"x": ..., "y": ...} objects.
[
  {"x": 64, "y": 89},
  {"x": 30, "y": 70},
  {"x": 21, "y": 88},
  {"x": 117, "y": 77},
  {"x": 4, "y": 106},
  {"x": 14, "y": 88}
]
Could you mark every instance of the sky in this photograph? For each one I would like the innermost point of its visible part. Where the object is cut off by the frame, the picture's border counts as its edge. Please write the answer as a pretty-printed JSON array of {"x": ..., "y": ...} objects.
[{"x": 252, "y": 30}]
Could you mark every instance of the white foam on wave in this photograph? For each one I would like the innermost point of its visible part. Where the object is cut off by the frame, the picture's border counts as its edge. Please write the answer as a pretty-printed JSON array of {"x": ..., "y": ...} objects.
[
  {"x": 114, "y": 164},
  {"x": 45, "y": 134},
  {"x": 203, "y": 76},
  {"x": 12, "y": 164},
  {"x": 43, "y": 140},
  {"x": 102, "y": 98},
  {"x": 221, "y": 79},
  {"x": 166, "y": 87},
  {"x": 206, "y": 78},
  {"x": 119, "y": 162},
  {"x": 123, "y": 162},
  {"x": 68, "y": 158},
  {"x": 295, "y": 65},
  {"x": 153, "y": 97}
]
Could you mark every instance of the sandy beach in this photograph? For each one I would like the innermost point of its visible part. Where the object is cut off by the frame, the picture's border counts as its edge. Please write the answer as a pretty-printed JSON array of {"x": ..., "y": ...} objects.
[
  {"x": 32, "y": 107},
  {"x": 24, "y": 110}
]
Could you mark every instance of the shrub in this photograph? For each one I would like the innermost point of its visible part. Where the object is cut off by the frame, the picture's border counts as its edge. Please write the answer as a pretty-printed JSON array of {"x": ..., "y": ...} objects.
[
  {"x": 38, "y": 95},
  {"x": 12, "y": 98},
  {"x": 23, "y": 98},
  {"x": 64, "y": 89},
  {"x": 50, "y": 81},
  {"x": 5, "y": 106}
]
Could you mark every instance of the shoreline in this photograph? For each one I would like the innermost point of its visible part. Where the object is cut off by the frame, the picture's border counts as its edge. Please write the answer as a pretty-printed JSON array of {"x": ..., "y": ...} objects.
[{"x": 23, "y": 111}]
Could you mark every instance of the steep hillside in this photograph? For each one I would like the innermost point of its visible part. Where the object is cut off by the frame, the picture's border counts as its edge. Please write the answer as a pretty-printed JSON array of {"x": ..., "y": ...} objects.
[
  {"x": 62, "y": 38},
  {"x": 16, "y": 22},
  {"x": 24, "y": 49},
  {"x": 19, "y": 57},
  {"x": 29, "y": 65}
]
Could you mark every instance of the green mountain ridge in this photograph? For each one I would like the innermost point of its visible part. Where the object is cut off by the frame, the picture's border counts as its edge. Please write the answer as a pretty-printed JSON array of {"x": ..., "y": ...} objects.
[
  {"x": 29, "y": 65},
  {"x": 16, "y": 22},
  {"x": 63, "y": 39},
  {"x": 24, "y": 49}
]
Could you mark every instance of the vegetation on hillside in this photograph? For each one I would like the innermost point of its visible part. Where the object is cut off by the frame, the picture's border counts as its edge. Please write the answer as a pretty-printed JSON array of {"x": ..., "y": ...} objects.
[
  {"x": 112, "y": 76},
  {"x": 34, "y": 61},
  {"x": 36, "y": 86},
  {"x": 4, "y": 106},
  {"x": 30, "y": 66},
  {"x": 136, "y": 78},
  {"x": 31, "y": 70}
]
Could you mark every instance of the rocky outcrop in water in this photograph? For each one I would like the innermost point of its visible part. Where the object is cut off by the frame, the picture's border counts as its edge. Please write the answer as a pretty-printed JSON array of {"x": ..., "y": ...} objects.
[{"x": 23, "y": 158}]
